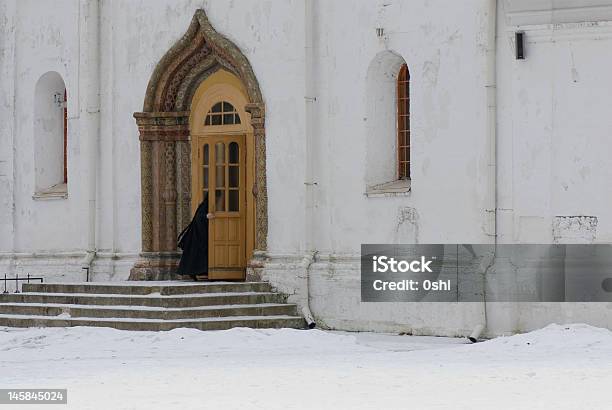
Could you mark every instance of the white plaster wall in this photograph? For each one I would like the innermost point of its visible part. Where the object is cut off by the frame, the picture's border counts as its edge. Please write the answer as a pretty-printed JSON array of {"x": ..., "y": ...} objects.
[
  {"x": 335, "y": 300},
  {"x": 47, "y": 40},
  {"x": 444, "y": 46},
  {"x": 268, "y": 33},
  {"x": 45, "y": 236},
  {"x": 134, "y": 36},
  {"x": 7, "y": 122},
  {"x": 553, "y": 139},
  {"x": 554, "y": 132}
]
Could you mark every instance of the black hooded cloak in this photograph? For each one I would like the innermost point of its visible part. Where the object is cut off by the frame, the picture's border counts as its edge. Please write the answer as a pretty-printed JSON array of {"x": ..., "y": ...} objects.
[{"x": 194, "y": 243}]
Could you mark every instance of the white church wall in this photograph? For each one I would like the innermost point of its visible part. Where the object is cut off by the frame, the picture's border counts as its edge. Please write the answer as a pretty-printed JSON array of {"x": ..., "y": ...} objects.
[
  {"x": 7, "y": 114},
  {"x": 554, "y": 119},
  {"x": 555, "y": 122},
  {"x": 271, "y": 37},
  {"x": 445, "y": 56},
  {"x": 552, "y": 142},
  {"x": 132, "y": 44},
  {"x": 552, "y": 148},
  {"x": 135, "y": 35},
  {"x": 554, "y": 139},
  {"x": 532, "y": 12},
  {"x": 47, "y": 41},
  {"x": 444, "y": 47}
]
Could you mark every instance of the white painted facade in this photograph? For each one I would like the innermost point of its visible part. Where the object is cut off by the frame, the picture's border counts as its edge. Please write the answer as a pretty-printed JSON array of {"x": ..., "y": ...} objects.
[{"x": 553, "y": 138}]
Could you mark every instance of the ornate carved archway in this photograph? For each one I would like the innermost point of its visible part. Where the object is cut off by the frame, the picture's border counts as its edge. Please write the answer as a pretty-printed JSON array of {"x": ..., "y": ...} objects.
[{"x": 165, "y": 143}]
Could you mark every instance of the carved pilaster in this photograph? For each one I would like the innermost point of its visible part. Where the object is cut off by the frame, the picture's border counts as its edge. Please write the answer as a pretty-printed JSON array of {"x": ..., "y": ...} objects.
[
  {"x": 257, "y": 112},
  {"x": 160, "y": 133},
  {"x": 183, "y": 180},
  {"x": 146, "y": 183},
  {"x": 169, "y": 196}
]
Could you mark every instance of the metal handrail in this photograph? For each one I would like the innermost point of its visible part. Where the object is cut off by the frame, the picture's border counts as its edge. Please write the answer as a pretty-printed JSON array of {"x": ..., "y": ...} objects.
[{"x": 27, "y": 279}]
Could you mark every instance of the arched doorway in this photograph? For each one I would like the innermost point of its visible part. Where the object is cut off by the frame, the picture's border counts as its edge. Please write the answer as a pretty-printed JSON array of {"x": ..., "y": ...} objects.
[
  {"x": 222, "y": 166},
  {"x": 197, "y": 61}
]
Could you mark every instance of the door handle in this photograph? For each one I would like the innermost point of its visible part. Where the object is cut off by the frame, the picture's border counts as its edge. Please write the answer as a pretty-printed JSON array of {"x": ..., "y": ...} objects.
[{"x": 210, "y": 216}]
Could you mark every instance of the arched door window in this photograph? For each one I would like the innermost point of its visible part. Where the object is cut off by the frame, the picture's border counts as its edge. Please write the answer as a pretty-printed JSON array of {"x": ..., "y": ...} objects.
[{"x": 222, "y": 113}]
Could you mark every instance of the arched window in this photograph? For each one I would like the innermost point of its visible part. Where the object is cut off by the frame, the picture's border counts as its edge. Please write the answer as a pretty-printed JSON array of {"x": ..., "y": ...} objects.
[
  {"x": 387, "y": 159},
  {"x": 403, "y": 122},
  {"x": 50, "y": 136},
  {"x": 222, "y": 113}
]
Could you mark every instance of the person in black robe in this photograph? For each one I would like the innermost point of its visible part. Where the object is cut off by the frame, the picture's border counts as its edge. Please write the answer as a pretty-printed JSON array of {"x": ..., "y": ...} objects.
[{"x": 194, "y": 243}]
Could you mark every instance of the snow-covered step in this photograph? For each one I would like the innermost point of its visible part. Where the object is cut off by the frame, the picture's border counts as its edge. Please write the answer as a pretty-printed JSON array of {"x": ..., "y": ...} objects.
[
  {"x": 146, "y": 312},
  {"x": 218, "y": 323},
  {"x": 146, "y": 288},
  {"x": 188, "y": 300},
  {"x": 149, "y": 306}
]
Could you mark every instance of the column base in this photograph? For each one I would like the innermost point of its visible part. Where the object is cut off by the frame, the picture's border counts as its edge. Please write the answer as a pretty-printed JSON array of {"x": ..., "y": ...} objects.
[
  {"x": 255, "y": 268},
  {"x": 156, "y": 266}
]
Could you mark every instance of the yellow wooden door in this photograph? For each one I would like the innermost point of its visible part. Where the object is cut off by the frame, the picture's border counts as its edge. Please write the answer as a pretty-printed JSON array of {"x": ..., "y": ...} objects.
[
  {"x": 225, "y": 184},
  {"x": 223, "y": 167}
]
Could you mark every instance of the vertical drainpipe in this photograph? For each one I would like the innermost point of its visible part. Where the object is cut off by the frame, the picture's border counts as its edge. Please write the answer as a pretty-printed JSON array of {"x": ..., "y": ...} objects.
[
  {"x": 491, "y": 86},
  {"x": 90, "y": 17},
  {"x": 309, "y": 183},
  {"x": 491, "y": 198},
  {"x": 12, "y": 17}
]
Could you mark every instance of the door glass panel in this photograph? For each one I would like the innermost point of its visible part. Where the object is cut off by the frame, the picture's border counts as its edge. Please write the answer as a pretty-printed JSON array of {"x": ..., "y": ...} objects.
[
  {"x": 234, "y": 174},
  {"x": 220, "y": 153},
  {"x": 234, "y": 200},
  {"x": 216, "y": 107},
  {"x": 233, "y": 153},
  {"x": 220, "y": 200},
  {"x": 205, "y": 154},
  {"x": 205, "y": 179},
  {"x": 220, "y": 177},
  {"x": 228, "y": 119}
]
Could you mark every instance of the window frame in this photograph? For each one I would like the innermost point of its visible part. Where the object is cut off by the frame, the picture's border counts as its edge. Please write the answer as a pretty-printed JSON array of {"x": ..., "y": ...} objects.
[
  {"x": 403, "y": 123},
  {"x": 221, "y": 114}
]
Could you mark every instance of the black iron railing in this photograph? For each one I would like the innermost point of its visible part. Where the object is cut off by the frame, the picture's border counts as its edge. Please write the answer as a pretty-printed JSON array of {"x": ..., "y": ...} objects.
[{"x": 17, "y": 279}]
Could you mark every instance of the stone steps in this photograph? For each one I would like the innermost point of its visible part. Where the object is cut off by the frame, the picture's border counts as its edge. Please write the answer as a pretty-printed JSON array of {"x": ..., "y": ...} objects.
[
  {"x": 48, "y": 309},
  {"x": 147, "y": 288},
  {"x": 149, "y": 306},
  {"x": 190, "y": 300},
  {"x": 255, "y": 322}
]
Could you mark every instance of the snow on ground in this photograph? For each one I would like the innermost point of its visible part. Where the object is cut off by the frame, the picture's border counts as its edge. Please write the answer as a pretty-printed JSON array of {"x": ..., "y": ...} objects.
[{"x": 559, "y": 367}]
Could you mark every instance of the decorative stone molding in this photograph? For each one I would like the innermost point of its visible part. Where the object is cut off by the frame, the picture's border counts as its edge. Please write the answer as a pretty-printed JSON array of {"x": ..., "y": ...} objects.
[
  {"x": 163, "y": 126},
  {"x": 537, "y": 12},
  {"x": 260, "y": 192},
  {"x": 166, "y": 148}
]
